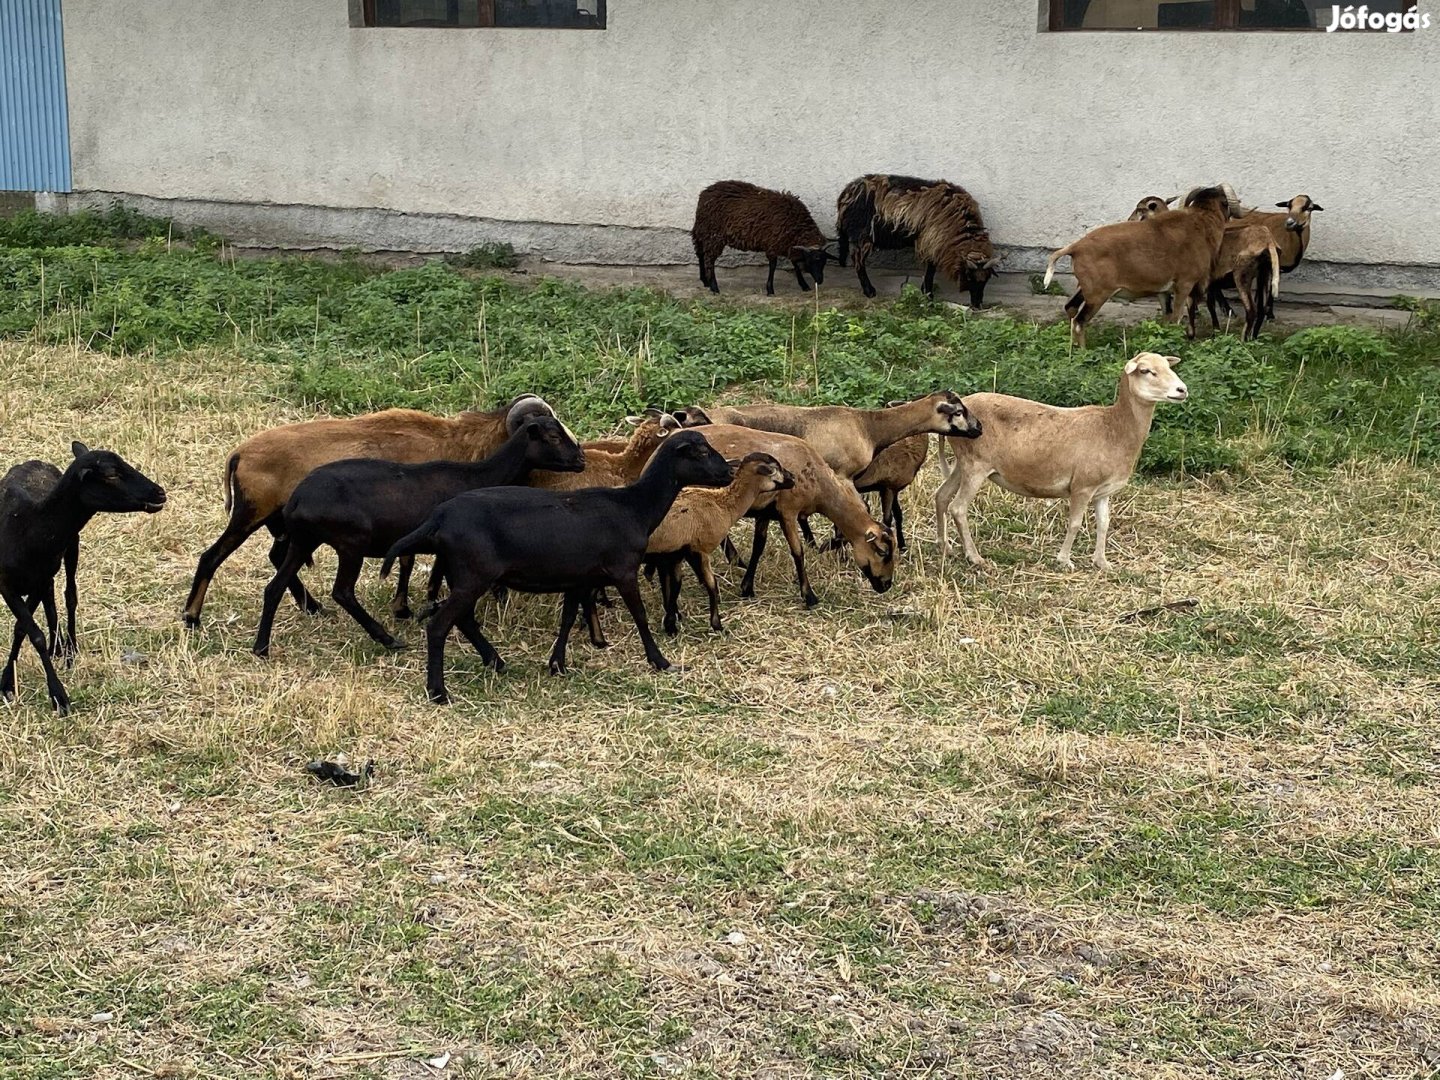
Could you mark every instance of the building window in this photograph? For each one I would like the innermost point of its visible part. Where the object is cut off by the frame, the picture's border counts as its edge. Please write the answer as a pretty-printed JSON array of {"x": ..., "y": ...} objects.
[
  {"x": 464, "y": 14},
  {"x": 1204, "y": 14}
]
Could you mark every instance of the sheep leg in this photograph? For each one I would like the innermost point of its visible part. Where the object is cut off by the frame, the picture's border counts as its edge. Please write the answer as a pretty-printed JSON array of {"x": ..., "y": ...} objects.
[
  {"x": 800, "y": 277},
  {"x": 592, "y": 622},
  {"x": 1079, "y": 500},
  {"x": 7, "y": 677},
  {"x": 727, "y": 546},
  {"x": 303, "y": 600},
  {"x": 467, "y": 625},
  {"x": 669, "y": 571},
  {"x": 235, "y": 534},
  {"x": 1088, "y": 309},
  {"x": 708, "y": 259},
  {"x": 568, "y": 610},
  {"x": 432, "y": 590},
  {"x": 862, "y": 252},
  {"x": 343, "y": 593},
  {"x": 629, "y": 591},
  {"x": 700, "y": 563},
  {"x": 52, "y": 618},
  {"x": 25, "y": 624},
  {"x": 797, "y": 552},
  {"x": 762, "y": 533},
  {"x": 770, "y": 281},
  {"x": 969, "y": 487},
  {"x": 1244, "y": 287},
  {"x": 294, "y": 558},
  {"x": 805, "y": 532},
  {"x": 1102, "y": 531},
  {"x": 400, "y": 604},
  {"x": 66, "y": 645},
  {"x": 891, "y": 511},
  {"x": 928, "y": 285}
]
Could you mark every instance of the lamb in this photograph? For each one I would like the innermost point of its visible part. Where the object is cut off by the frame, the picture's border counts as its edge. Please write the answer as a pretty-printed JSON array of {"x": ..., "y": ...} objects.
[
  {"x": 1085, "y": 454},
  {"x": 1248, "y": 258},
  {"x": 543, "y": 541},
  {"x": 942, "y": 220},
  {"x": 893, "y": 470},
  {"x": 816, "y": 490},
  {"x": 1291, "y": 233},
  {"x": 36, "y": 479},
  {"x": 1151, "y": 205},
  {"x": 699, "y": 521},
  {"x": 37, "y": 534},
  {"x": 361, "y": 506},
  {"x": 732, "y": 213},
  {"x": 263, "y": 471},
  {"x": 847, "y": 439},
  {"x": 1169, "y": 252}
]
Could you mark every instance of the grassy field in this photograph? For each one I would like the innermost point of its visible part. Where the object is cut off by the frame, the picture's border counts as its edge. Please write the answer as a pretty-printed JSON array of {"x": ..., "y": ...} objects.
[{"x": 981, "y": 825}]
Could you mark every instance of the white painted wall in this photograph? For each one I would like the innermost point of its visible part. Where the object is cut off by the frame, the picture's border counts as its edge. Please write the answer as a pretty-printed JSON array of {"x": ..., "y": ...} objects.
[{"x": 282, "y": 101}]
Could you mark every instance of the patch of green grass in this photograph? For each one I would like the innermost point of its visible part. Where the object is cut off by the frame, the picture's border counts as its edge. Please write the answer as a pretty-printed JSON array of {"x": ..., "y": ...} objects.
[
  {"x": 485, "y": 257},
  {"x": 354, "y": 338}
]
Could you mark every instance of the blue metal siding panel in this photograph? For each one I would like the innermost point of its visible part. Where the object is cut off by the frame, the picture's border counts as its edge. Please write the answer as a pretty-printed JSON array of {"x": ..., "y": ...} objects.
[{"x": 34, "y": 118}]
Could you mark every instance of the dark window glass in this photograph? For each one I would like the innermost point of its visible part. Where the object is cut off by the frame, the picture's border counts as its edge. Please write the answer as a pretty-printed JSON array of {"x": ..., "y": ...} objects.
[
  {"x": 557, "y": 14},
  {"x": 1137, "y": 14},
  {"x": 1305, "y": 14}
]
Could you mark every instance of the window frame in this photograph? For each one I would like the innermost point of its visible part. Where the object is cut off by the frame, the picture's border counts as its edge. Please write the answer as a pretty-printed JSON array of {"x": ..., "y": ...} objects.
[
  {"x": 369, "y": 20},
  {"x": 1227, "y": 21}
]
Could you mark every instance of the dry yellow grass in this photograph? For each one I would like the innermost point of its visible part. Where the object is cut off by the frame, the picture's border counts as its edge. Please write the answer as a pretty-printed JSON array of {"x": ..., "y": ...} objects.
[{"x": 977, "y": 826}]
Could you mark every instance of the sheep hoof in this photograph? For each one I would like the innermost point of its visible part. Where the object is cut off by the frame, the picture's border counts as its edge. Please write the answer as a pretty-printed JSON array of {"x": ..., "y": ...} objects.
[
  {"x": 425, "y": 611},
  {"x": 557, "y": 667},
  {"x": 1102, "y": 564},
  {"x": 394, "y": 646},
  {"x": 262, "y": 651},
  {"x": 811, "y": 600},
  {"x": 439, "y": 696},
  {"x": 979, "y": 562},
  {"x": 192, "y": 622},
  {"x": 1065, "y": 564}
]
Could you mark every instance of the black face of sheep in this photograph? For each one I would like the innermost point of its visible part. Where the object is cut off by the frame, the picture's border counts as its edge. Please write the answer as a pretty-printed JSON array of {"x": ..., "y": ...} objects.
[
  {"x": 110, "y": 484},
  {"x": 812, "y": 261},
  {"x": 552, "y": 447},
  {"x": 977, "y": 273}
]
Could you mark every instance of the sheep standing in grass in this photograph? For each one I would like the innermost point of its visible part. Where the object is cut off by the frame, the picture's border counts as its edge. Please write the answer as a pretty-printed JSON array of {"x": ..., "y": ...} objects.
[
  {"x": 735, "y": 214},
  {"x": 37, "y": 534},
  {"x": 1085, "y": 455}
]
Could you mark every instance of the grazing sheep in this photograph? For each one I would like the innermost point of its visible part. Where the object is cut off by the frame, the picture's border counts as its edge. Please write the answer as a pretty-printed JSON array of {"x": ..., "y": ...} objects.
[
  {"x": 1045, "y": 452},
  {"x": 817, "y": 490},
  {"x": 37, "y": 534},
  {"x": 1171, "y": 252},
  {"x": 262, "y": 472},
  {"x": 361, "y": 506},
  {"x": 940, "y": 219},
  {"x": 735, "y": 214},
  {"x": 543, "y": 541},
  {"x": 893, "y": 470},
  {"x": 698, "y": 522}
]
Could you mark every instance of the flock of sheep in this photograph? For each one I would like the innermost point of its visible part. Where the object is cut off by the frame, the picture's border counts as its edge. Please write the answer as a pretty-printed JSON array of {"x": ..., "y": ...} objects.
[
  {"x": 511, "y": 500},
  {"x": 1211, "y": 243}
]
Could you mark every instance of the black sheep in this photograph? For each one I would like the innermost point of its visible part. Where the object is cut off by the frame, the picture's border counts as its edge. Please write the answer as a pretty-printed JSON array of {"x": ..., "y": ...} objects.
[
  {"x": 361, "y": 506},
  {"x": 545, "y": 542},
  {"x": 38, "y": 533}
]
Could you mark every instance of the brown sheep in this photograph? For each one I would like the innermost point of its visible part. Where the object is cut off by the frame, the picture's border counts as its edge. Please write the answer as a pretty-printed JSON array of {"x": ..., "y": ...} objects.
[
  {"x": 1168, "y": 252},
  {"x": 264, "y": 470},
  {"x": 732, "y": 213},
  {"x": 942, "y": 220}
]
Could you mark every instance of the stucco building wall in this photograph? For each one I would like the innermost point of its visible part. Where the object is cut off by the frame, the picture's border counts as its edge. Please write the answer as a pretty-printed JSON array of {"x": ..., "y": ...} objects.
[{"x": 281, "y": 122}]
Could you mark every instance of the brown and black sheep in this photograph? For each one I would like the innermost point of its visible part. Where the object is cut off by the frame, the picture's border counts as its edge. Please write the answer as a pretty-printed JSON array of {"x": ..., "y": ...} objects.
[
  {"x": 940, "y": 220},
  {"x": 732, "y": 213}
]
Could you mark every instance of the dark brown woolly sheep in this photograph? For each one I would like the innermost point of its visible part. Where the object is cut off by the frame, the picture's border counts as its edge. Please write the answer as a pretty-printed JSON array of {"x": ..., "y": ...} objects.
[
  {"x": 735, "y": 214},
  {"x": 940, "y": 219}
]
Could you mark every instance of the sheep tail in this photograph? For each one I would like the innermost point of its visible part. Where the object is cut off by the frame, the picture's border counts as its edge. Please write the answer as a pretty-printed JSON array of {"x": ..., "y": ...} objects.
[
  {"x": 940, "y": 458},
  {"x": 1274, "y": 254},
  {"x": 228, "y": 481},
  {"x": 419, "y": 542},
  {"x": 1050, "y": 266}
]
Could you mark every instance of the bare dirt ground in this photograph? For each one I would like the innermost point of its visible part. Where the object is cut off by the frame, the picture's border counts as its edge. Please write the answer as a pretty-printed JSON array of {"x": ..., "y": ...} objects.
[{"x": 980, "y": 826}]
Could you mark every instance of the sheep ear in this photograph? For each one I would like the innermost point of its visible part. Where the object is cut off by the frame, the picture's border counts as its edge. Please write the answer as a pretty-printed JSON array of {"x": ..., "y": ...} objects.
[
  {"x": 77, "y": 448},
  {"x": 634, "y": 421},
  {"x": 1173, "y": 361},
  {"x": 896, "y": 403},
  {"x": 1315, "y": 209},
  {"x": 1283, "y": 205},
  {"x": 534, "y": 430},
  {"x": 1132, "y": 365}
]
